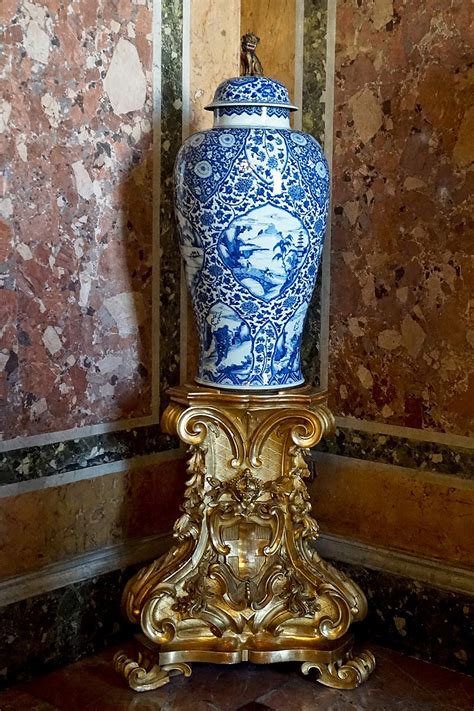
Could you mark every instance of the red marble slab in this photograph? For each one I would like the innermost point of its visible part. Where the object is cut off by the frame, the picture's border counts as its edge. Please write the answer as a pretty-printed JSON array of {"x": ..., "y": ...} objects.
[
  {"x": 400, "y": 339},
  {"x": 78, "y": 210}
]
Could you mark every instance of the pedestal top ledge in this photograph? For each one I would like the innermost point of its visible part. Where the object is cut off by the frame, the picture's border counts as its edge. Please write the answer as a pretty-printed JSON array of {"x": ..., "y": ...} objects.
[{"x": 304, "y": 396}]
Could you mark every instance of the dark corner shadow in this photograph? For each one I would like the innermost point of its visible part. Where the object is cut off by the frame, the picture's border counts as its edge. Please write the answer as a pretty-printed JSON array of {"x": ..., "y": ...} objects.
[{"x": 150, "y": 494}]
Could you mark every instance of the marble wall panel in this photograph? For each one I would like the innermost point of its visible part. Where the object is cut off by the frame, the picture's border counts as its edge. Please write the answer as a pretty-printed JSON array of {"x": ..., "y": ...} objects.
[
  {"x": 401, "y": 271},
  {"x": 395, "y": 508},
  {"x": 214, "y": 44},
  {"x": 274, "y": 21},
  {"x": 52, "y": 524},
  {"x": 214, "y": 54},
  {"x": 170, "y": 129},
  {"x": 77, "y": 115},
  {"x": 318, "y": 123}
]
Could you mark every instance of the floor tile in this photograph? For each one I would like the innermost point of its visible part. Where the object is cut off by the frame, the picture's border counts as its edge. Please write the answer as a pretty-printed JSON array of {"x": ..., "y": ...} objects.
[
  {"x": 399, "y": 683},
  {"x": 17, "y": 700}
]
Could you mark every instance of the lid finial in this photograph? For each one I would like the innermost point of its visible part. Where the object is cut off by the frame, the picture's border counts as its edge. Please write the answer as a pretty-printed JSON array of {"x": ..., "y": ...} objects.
[{"x": 249, "y": 62}]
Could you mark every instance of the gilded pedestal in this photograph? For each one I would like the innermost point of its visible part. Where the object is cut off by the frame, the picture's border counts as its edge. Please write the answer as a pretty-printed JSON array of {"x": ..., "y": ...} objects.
[{"x": 244, "y": 581}]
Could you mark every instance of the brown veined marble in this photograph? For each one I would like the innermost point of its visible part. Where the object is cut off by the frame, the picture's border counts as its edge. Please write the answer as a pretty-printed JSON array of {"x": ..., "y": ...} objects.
[
  {"x": 214, "y": 56},
  {"x": 419, "y": 512},
  {"x": 274, "y": 21},
  {"x": 401, "y": 343},
  {"x": 214, "y": 53},
  {"x": 77, "y": 214},
  {"x": 51, "y": 524}
]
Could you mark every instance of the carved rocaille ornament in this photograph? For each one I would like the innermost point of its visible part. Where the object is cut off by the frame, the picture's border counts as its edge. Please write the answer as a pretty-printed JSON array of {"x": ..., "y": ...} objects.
[{"x": 244, "y": 581}]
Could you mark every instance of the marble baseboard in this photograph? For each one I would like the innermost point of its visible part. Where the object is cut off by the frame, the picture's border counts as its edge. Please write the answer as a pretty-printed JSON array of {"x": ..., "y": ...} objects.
[
  {"x": 420, "y": 606},
  {"x": 68, "y": 610},
  {"x": 411, "y": 617},
  {"x": 84, "y": 567},
  {"x": 431, "y": 572},
  {"x": 62, "y": 624}
]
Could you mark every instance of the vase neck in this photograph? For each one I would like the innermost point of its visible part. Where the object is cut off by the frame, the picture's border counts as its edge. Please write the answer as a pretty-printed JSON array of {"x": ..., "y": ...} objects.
[{"x": 240, "y": 116}]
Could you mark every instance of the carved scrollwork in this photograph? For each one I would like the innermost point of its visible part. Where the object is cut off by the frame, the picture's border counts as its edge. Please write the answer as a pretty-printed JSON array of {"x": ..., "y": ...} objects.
[
  {"x": 144, "y": 674},
  {"x": 305, "y": 429},
  {"x": 344, "y": 674},
  {"x": 142, "y": 585},
  {"x": 195, "y": 424},
  {"x": 189, "y": 524},
  {"x": 186, "y": 530},
  {"x": 244, "y": 567}
]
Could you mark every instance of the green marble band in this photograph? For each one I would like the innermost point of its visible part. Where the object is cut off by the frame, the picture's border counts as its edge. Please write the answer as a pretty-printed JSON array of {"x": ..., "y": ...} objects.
[
  {"x": 401, "y": 452},
  {"x": 29, "y": 463},
  {"x": 60, "y": 457},
  {"x": 314, "y": 67},
  {"x": 314, "y": 84},
  {"x": 171, "y": 137}
]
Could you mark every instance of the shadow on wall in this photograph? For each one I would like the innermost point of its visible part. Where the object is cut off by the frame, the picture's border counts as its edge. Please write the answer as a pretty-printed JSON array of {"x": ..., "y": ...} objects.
[{"x": 127, "y": 268}]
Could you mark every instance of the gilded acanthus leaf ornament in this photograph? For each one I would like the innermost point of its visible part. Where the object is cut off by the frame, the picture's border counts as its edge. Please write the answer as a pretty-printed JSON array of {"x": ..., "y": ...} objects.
[{"x": 244, "y": 580}]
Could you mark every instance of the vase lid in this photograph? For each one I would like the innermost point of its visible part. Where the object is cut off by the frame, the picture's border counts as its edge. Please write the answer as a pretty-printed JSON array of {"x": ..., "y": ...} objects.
[{"x": 251, "y": 91}]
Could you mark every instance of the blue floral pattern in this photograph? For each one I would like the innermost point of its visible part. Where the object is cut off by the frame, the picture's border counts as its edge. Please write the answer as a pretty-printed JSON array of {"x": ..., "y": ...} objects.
[
  {"x": 250, "y": 110},
  {"x": 251, "y": 90},
  {"x": 251, "y": 206},
  {"x": 278, "y": 111}
]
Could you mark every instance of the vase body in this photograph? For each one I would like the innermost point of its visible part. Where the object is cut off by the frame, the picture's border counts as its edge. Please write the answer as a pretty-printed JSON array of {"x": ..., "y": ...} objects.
[{"x": 251, "y": 198}]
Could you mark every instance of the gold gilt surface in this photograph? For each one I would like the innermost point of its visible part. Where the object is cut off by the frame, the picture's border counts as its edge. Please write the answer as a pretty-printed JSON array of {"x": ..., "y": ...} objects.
[{"x": 243, "y": 581}]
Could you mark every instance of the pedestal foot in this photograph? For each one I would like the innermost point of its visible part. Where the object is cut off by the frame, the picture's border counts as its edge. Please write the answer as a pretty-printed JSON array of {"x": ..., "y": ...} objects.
[
  {"x": 348, "y": 673},
  {"x": 143, "y": 673}
]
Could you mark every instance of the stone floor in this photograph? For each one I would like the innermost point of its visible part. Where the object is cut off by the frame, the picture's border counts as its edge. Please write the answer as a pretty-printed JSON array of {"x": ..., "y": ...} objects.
[{"x": 399, "y": 683}]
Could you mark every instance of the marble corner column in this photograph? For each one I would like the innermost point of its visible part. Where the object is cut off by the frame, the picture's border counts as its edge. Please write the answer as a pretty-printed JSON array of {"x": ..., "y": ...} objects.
[
  {"x": 274, "y": 21},
  {"x": 212, "y": 54}
]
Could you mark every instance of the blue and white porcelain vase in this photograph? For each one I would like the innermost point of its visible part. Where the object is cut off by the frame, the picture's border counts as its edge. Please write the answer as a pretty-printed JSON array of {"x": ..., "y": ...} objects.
[{"x": 251, "y": 203}]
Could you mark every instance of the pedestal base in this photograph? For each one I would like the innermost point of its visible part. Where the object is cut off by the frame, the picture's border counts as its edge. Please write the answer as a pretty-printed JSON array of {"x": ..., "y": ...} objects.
[
  {"x": 243, "y": 582},
  {"x": 336, "y": 666}
]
